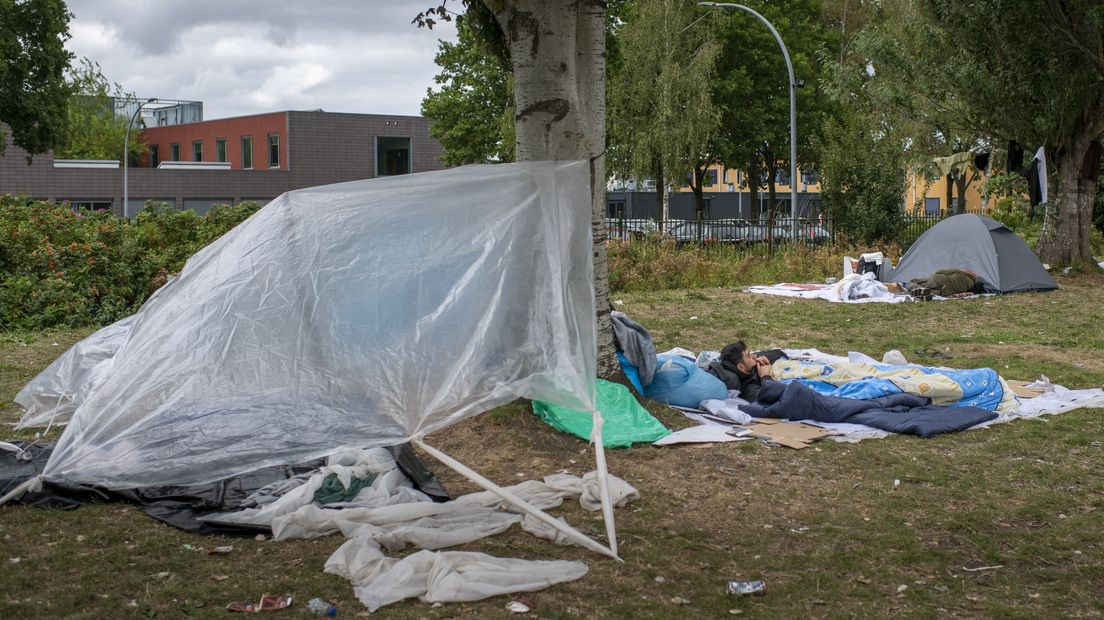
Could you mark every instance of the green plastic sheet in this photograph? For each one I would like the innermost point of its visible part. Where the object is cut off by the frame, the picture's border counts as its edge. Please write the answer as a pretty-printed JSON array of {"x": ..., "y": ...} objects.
[{"x": 626, "y": 422}]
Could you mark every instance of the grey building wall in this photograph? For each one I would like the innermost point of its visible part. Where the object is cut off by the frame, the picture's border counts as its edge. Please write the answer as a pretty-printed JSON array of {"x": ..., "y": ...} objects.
[{"x": 323, "y": 148}]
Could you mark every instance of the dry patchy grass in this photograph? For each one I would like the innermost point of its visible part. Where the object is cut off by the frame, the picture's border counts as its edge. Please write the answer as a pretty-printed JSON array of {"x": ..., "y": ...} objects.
[{"x": 828, "y": 528}]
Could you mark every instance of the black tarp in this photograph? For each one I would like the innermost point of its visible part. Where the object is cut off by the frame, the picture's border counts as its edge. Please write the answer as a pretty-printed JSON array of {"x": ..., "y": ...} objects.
[{"x": 180, "y": 506}]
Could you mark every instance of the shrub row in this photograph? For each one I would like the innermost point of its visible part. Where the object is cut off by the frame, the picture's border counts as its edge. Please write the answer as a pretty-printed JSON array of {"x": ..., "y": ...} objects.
[
  {"x": 653, "y": 264},
  {"x": 60, "y": 267}
]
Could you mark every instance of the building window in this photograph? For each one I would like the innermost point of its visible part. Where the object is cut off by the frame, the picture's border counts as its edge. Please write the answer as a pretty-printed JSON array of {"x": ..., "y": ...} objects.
[
  {"x": 220, "y": 149},
  {"x": 197, "y": 150},
  {"x": 931, "y": 206},
  {"x": 247, "y": 151},
  {"x": 273, "y": 150},
  {"x": 392, "y": 156},
  {"x": 710, "y": 178},
  {"x": 174, "y": 148},
  {"x": 155, "y": 156}
]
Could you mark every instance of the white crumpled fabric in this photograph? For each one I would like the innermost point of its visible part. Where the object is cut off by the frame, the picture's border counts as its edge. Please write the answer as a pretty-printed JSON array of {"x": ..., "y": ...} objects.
[
  {"x": 389, "y": 514},
  {"x": 860, "y": 286},
  {"x": 442, "y": 577}
]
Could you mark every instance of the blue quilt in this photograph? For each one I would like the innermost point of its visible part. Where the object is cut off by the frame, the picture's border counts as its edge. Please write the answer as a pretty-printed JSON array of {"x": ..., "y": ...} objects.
[{"x": 978, "y": 387}]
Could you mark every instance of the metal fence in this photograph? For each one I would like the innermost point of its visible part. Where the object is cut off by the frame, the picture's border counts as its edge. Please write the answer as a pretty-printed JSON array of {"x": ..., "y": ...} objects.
[{"x": 750, "y": 233}]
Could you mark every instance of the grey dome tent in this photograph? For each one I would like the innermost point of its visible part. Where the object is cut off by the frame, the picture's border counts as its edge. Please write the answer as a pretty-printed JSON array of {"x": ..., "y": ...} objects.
[{"x": 978, "y": 243}]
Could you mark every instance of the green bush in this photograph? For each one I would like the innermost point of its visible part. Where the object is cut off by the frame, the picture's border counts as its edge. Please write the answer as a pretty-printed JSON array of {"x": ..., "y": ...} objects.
[{"x": 59, "y": 267}]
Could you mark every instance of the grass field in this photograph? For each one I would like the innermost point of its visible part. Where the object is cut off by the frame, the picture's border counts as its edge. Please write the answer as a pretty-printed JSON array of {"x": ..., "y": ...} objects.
[{"x": 1002, "y": 522}]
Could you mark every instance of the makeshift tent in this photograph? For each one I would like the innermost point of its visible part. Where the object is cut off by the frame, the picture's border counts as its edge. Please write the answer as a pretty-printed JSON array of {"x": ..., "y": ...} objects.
[
  {"x": 57, "y": 391},
  {"x": 978, "y": 243},
  {"x": 364, "y": 314}
]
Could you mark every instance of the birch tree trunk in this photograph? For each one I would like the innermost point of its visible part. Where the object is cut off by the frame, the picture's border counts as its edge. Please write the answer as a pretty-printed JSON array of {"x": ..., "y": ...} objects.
[{"x": 558, "y": 52}]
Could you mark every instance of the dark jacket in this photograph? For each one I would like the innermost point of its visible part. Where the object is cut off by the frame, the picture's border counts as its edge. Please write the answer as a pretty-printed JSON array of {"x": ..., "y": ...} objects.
[
  {"x": 747, "y": 383},
  {"x": 734, "y": 379}
]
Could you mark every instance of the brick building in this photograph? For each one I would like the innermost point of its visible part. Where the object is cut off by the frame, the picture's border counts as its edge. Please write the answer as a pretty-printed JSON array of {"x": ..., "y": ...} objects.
[{"x": 268, "y": 154}]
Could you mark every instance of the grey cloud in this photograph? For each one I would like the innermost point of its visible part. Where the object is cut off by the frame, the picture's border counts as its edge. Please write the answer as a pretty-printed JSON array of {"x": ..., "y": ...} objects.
[{"x": 224, "y": 51}]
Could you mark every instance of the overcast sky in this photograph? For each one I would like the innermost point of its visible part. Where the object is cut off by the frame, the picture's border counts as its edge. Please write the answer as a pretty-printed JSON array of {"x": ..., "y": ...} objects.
[{"x": 245, "y": 56}]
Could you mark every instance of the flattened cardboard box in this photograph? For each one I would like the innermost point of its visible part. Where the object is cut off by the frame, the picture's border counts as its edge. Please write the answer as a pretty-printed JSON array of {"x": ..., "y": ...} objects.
[{"x": 796, "y": 435}]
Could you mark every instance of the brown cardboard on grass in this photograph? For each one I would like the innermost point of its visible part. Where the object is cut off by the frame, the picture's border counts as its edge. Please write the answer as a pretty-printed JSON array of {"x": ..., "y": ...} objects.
[
  {"x": 1024, "y": 390},
  {"x": 796, "y": 435}
]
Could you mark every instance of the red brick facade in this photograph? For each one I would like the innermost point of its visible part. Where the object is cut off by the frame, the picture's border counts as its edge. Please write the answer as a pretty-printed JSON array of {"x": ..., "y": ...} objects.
[{"x": 258, "y": 128}]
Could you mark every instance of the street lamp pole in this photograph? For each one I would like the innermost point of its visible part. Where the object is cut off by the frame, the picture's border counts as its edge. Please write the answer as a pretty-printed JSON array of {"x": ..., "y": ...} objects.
[
  {"x": 126, "y": 150},
  {"x": 793, "y": 108}
]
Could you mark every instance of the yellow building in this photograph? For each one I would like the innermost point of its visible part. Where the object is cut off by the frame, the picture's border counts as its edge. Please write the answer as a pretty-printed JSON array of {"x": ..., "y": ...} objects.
[
  {"x": 719, "y": 178},
  {"x": 927, "y": 196}
]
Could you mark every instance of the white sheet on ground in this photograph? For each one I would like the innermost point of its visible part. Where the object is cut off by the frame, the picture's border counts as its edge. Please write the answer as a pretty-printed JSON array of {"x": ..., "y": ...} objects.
[
  {"x": 849, "y": 290},
  {"x": 829, "y": 292},
  {"x": 390, "y": 514}
]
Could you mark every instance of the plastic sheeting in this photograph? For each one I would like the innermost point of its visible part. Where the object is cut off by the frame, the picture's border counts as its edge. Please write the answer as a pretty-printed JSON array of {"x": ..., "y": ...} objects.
[
  {"x": 361, "y": 314},
  {"x": 390, "y": 516},
  {"x": 625, "y": 422},
  {"x": 53, "y": 395}
]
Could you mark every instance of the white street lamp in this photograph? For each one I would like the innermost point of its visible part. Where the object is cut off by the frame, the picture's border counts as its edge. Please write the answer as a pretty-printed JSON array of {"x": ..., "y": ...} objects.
[
  {"x": 793, "y": 109},
  {"x": 126, "y": 150}
]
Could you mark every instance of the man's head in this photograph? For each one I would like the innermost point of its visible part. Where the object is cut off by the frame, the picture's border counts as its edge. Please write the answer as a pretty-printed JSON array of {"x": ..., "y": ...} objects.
[{"x": 739, "y": 356}]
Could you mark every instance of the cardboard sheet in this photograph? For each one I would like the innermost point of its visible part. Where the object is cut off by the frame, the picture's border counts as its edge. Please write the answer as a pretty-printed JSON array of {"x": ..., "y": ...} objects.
[{"x": 796, "y": 435}]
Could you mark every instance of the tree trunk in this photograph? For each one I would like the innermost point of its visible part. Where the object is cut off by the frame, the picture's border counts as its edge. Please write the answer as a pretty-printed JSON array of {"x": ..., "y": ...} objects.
[
  {"x": 1068, "y": 224},
  {"x": 697, "y": 186},
  {"x": 961, "y": 184},
  {"x": 753, "y": 188},
  {"x": 950, "y": 210},
  {"x": 558, "y": 52},
  {"x": 772, "y": 200}
]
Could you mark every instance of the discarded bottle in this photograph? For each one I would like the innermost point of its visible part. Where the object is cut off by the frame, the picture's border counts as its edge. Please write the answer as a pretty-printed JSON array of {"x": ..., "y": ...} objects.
[{"x": 321, "y": 607}]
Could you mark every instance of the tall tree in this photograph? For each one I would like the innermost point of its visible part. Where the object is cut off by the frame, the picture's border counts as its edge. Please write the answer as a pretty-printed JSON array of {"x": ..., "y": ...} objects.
[
  {"x": 905, "y": 82},
  {"x": 1031, "y": 71},
  {"x": 472, "y": 112},
  {"x": 752, "y": 89},
  {"x": 557, "y": 53},
  {"x": 33, "y": 60},
  {"x": 94, "y": 130},
  {"x": 663, "y": 122}
]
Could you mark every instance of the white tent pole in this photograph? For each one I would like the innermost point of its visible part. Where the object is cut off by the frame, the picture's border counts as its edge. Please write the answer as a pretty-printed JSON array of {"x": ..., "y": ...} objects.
[
  {"x": 32, "y": 485},
  {"x": 523, "y": 505},
  {"x": 603, "y": 481}
]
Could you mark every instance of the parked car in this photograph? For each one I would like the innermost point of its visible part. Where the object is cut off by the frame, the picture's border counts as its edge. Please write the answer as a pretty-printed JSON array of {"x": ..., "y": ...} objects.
[{"x": 703, "y": 232}]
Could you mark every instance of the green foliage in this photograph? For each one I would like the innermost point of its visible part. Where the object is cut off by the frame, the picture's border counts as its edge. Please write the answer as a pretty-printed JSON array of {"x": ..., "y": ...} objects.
[
  {"x": 33, "y": 60},
  {"x": 752, "y": 86},
  {"x": 472, "y": 112},
  {"x": 662, "y": 121},
  {"x": 1007, "y": 193},
  {"x": 61, "y": 268},
  {"x": 862, "y": 178},
  {"x": 94, "y": 130},
  {"x": 1035, "y": 85}
]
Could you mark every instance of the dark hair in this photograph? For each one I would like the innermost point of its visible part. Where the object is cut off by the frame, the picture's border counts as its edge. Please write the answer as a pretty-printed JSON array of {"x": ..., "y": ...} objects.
[{"x": 734, "y": 353}]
